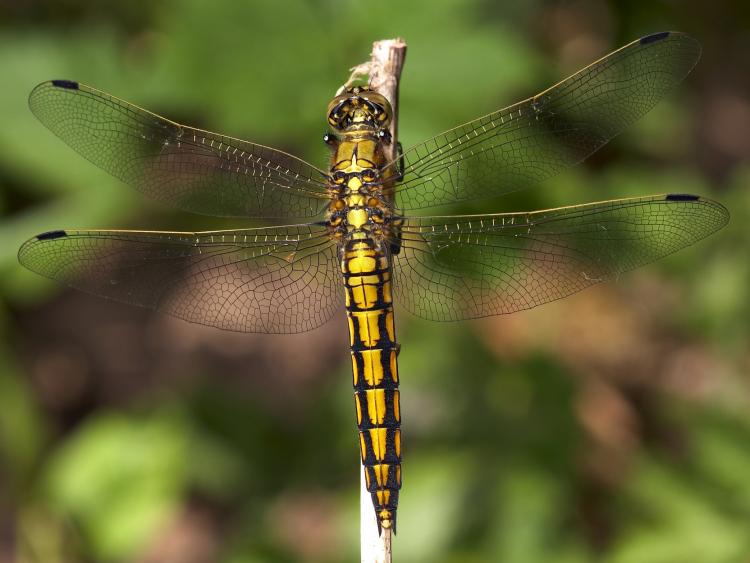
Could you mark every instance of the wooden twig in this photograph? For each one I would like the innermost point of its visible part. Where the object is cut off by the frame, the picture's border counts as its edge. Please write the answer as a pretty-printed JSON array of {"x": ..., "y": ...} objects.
[
  {"x": 384, "y": 69},
  {"x": 374, "y": 547},
  {"x": 385, "y": 74}
]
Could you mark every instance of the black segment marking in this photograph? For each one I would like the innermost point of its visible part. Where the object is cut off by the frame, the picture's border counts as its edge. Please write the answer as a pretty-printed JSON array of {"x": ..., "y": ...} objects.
[
  {"x": 682, "y": 197},
  {"x": 654, "y": 37},
  {"x": 52, "y": 235},
  {"x": 68, "y": 84}
]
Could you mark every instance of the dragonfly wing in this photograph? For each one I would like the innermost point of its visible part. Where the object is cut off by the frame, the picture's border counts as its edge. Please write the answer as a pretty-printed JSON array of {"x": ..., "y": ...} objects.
[
  {"x": 191, "y": 169},
  {"x": 270, "y": 280},
  {"x": 523, "y": 144},
  {"x": 452, "y": 268}
]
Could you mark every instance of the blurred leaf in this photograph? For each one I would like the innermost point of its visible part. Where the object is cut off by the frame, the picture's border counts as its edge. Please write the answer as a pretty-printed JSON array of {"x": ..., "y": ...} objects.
[
  {"x": 120, "y": 477},
  {"x": 532, "y": 509},
  {"x": 722, "y": 458},
  {"x": 679, "y": 525},
  {"x": 429, "y": 506},
  {"x": 22, "y": 432}
]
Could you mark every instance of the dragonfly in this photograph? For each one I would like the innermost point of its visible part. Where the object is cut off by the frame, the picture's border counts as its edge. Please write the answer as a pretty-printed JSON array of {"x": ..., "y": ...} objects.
[{"x": 351, "y": 244}]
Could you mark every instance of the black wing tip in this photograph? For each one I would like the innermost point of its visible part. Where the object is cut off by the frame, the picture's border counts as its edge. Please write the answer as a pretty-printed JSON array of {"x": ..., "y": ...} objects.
[
  {"x": 718, "y": 208},
  {"x": 67, "y": 84},
  {"x": 51, "y": 235},
  {"x": 654, "y": 37},
  {"x": 682, "y": 197}
]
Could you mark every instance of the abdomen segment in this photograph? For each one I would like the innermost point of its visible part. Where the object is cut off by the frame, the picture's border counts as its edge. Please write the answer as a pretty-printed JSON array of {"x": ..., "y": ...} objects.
[{"x": 374, "y": 352}]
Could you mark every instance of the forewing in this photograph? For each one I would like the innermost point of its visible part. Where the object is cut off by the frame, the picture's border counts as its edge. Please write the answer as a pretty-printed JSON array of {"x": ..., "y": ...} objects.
[
  {"x": 452, "y": 268},
  {"x": 521, "y": 145},
  {"x": 270, "y": 280},
  {"x": 188, "y": 168}
]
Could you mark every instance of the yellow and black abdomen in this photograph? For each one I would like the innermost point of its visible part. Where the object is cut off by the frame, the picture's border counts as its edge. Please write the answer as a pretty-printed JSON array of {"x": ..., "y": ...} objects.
[
  {"x": 367, "y": 277},
  {"x": 360, "y": 219}
]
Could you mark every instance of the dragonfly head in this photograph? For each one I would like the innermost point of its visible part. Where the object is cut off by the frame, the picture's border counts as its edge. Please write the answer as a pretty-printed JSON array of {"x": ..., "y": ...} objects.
[{"x": 359, "y": 108}]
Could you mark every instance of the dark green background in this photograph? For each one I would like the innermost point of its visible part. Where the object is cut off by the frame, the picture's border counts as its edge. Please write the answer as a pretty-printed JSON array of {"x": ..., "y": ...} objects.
[{"x": 613, "y": 426}]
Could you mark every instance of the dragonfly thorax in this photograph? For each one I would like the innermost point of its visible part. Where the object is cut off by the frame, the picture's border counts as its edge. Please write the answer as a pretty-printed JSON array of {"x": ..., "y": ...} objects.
[
  {"x": 358, "y": 207},
  {"x": 362, "y": 210}
]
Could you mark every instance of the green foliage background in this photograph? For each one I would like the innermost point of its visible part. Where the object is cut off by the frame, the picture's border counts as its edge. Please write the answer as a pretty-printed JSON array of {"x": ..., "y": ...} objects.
[{"x": 611, "y": 427}]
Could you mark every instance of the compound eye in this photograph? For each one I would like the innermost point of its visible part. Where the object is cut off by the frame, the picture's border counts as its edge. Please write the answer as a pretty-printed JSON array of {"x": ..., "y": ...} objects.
[
  {"x": 339, "y": 177},
  {"x": 329, "y": 139}
]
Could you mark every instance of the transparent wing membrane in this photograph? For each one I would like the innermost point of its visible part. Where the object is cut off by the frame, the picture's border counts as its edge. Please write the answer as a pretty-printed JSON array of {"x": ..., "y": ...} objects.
[
  {"x": 188, "y": 168},
  {"x": 521, "y": 145},
  {"x": 288, "y": 279},
  {"x": 271, "y": 280},
  {"x": 461, "y": 267}
]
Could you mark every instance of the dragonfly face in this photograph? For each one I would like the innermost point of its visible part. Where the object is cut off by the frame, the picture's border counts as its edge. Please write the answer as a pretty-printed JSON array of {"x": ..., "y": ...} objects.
[
  {"x": 358, "y": 248},
  {"x": 359, "y": 108}
]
